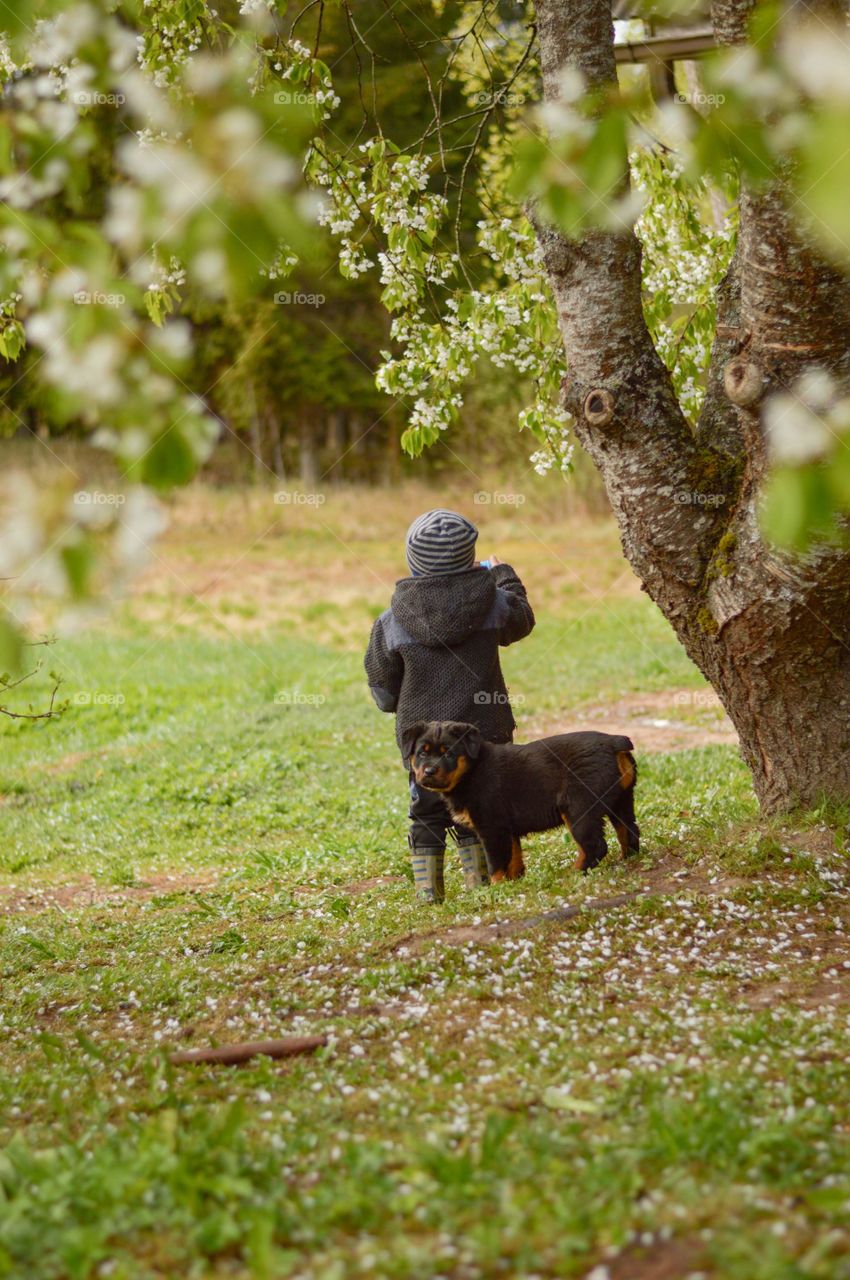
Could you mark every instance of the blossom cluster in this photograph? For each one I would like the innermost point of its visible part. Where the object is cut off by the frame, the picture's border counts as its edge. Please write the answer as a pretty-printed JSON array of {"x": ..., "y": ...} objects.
[{"x": 688, "y": 238}]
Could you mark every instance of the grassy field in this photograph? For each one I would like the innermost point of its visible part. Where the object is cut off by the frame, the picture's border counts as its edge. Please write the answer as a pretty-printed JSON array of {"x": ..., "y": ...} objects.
[{"x": 209, "y": 846}]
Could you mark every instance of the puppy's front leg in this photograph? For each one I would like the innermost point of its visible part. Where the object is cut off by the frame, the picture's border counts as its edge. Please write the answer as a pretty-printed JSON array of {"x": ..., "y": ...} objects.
[
  {"x": 499, "y": 849},
  {"x": 516, "y": 866}
]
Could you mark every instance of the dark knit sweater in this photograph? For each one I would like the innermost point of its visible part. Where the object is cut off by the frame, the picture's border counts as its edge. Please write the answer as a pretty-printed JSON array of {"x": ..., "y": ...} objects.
[{"x": 434, "y": 654}]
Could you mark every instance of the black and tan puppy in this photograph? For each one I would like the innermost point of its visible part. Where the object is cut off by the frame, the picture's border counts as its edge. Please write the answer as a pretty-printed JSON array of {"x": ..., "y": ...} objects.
[{"x": 506, "y": 791}]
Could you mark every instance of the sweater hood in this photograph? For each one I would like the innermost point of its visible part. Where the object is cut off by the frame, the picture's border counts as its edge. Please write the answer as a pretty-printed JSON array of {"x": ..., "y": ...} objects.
[{"x": 444, "y": 608}]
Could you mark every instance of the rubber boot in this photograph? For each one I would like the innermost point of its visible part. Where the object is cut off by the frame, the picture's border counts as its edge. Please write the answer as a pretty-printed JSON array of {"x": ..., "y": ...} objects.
[
  {"x": 428, "y": 874},
  {"x": 473, "y": 861}
]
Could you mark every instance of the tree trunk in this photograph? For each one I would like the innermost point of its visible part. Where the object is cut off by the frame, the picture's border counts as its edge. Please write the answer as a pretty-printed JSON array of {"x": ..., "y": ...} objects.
[
  {"x": 308, "y": 462},
  {"x": 274, "y": 431},
  {"x": 256, "y": 437},
  {"x": 335, "y": 445},
  {"x": 771, "y": 634}
]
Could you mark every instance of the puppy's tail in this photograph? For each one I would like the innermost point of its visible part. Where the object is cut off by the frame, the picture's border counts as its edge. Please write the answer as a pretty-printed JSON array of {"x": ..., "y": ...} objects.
[{"x": 623, "y": 748}]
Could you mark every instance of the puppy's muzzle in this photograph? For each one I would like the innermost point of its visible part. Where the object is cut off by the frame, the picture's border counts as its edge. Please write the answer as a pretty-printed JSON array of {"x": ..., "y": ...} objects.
[{"x": 431, "y": 776}]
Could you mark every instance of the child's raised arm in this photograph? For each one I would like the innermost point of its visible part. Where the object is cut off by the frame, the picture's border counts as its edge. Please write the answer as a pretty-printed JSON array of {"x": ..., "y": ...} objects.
[{"x": 519, "y": 619}]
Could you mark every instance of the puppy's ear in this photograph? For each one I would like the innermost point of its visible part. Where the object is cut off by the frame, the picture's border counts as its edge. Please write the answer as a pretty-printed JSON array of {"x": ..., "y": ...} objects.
[
  {"x": 410, "y": 735},
  {"x": 468, "y": 738}
]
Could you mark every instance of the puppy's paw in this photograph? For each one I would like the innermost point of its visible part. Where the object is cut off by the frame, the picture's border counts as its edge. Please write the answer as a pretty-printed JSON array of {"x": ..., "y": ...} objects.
[{"x": 586, "y": 861}]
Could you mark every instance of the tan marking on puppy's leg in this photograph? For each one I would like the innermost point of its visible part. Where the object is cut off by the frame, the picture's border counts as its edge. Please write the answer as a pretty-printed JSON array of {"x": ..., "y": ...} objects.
[
  {"x": 497, "y": 877},
  {"x": 581, "y": 858},
  {"x": 623, "y": 837},
  {"x": 627, "y": 770},
  {"x": 516, "y": 866}
]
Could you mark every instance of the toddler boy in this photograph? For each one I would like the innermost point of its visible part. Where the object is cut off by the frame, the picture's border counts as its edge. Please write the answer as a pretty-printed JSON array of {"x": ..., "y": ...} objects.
[{"x": 434, "y": 655}]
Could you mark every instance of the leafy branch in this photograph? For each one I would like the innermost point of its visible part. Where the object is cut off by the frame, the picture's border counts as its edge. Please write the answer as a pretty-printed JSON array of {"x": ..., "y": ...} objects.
[{"x": 52, "y": 711}]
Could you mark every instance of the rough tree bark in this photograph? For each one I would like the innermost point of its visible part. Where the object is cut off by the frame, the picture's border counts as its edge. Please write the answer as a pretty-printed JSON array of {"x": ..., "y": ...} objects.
[{"x": 771, "y": 633}]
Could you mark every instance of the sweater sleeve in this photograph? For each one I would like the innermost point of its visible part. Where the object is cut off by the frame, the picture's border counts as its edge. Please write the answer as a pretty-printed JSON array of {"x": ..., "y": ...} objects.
[
  {"x": 520, "y": 616},
  {"x": 384, "y": 669}
]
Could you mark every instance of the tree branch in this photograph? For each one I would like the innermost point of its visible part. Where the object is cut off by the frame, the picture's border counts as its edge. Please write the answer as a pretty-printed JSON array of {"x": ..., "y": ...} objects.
[
  {"x": 52, "y": 710},
  {"x": 718, "y": 419},
  {"x": 785, "y": 292},
  {"x": 729, "y": 19},
  {"x": 644, "y": 448}
]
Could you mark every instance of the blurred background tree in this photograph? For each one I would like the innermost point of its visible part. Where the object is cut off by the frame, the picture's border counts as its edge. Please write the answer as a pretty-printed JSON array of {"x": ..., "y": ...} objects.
[{"x": 292, "y": 384}]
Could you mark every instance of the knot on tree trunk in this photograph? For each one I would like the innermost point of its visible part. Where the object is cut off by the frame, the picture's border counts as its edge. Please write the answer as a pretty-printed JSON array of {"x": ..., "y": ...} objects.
[
  {"x": 744, "y": 382},
  {"x": 599, "y": 405}
]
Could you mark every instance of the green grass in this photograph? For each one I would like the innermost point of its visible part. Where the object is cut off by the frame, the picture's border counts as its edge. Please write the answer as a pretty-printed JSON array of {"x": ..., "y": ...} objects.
[{"x": 651, "y": 1089}]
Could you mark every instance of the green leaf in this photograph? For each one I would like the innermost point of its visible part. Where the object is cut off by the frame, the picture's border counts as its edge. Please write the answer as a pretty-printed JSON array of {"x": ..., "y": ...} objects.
[
  {"x": 824, "y": 180},
  {"x": 77, "y": 559},
  {"x": 12, "y": 340},
  {"x": 11, "y": 645},
  {"x": 603, "y": 166},
  {"x": 170, "y": 461},
  {"x": 800, "y": 506}
]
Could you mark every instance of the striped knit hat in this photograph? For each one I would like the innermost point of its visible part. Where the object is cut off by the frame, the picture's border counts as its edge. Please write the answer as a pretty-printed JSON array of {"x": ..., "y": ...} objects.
[{"x": 440, "y": 541}]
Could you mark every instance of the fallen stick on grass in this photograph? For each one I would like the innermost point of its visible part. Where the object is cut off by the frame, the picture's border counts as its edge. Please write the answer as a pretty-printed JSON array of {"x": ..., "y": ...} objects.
[
  {"x": 458, "y": 934},
  {"x": 232, "y": 1054}
]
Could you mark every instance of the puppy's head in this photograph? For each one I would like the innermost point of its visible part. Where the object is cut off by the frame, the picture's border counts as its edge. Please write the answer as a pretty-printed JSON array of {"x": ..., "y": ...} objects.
[{"x": 440, "y": 753}]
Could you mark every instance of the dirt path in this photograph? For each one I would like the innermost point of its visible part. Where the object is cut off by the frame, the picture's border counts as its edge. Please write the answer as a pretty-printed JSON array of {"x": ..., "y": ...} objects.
[
  {"x": 89, "y": 893},
  {"x": 667, "y": 720}
]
